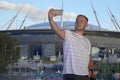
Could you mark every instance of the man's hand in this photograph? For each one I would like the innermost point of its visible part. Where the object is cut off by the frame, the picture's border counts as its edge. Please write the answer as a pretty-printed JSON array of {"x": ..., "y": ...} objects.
[
  {"x": 90, "y": 74},
  {"x": 52, "y": 13}
]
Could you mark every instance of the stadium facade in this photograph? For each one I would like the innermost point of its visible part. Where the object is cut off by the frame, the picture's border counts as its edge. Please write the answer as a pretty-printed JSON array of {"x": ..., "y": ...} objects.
[{"x": 39, "y": 39}]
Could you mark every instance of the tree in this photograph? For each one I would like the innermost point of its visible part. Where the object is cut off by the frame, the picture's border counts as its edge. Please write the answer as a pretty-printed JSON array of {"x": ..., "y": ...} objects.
[{"x": 9, "y": 52}]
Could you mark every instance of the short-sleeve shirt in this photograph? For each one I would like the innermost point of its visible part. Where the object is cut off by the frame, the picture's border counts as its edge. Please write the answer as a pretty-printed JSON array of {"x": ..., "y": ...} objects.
[{"x": 76, "y": 50}]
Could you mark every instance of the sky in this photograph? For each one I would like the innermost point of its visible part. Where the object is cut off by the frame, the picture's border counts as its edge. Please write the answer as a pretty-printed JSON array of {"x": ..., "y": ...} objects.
[{"x": 36, "y": 11}]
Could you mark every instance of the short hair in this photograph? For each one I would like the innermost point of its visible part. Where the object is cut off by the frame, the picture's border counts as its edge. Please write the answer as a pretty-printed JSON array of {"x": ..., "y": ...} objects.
[{"x": 83, "y": 16}]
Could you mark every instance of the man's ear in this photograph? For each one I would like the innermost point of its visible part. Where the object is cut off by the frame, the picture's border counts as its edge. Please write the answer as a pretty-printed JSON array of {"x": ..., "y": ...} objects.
[{"x": 86, "y": 24}]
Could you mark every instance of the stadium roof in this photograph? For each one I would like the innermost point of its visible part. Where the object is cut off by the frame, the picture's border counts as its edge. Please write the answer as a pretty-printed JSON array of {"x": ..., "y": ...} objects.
[{"x": 66, "y": 25}]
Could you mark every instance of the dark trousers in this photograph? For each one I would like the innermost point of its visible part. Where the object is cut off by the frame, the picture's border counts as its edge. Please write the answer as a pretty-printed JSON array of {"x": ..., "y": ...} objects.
[{"x": 74, "y": 77}]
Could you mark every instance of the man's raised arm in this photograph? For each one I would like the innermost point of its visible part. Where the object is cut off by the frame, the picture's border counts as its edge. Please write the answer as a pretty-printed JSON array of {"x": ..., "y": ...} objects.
[{"x": 52, "y": 13}]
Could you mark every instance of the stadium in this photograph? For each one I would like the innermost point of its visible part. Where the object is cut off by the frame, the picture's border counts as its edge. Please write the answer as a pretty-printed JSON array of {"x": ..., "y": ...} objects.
[{"x": 38, "y": 37}]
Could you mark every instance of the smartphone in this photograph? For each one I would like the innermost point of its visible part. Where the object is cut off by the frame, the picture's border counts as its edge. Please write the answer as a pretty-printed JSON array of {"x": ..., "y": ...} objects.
[{"x": 61, "y": 11}]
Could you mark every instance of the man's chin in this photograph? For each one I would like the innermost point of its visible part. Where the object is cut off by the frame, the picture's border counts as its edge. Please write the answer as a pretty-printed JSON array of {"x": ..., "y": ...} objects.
[{"x": 79, "y": 29}]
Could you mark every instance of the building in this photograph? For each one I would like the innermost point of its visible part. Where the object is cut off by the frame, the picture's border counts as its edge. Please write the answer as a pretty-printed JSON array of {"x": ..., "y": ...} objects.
[{"x": 40, "y": 39}]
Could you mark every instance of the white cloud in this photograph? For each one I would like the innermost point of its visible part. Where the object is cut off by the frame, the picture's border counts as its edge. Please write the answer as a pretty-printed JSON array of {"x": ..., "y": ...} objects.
[
  {"x": 6, "y": 5},
  {"x": 35, "y": 14}
]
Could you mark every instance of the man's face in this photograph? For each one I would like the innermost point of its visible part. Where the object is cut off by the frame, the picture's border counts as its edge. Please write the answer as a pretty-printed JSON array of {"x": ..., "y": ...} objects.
[{"x": 81, "y": 23}]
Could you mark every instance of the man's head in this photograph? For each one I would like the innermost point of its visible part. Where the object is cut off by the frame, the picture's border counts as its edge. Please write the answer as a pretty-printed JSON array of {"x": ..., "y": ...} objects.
[{"x": 81, "y": 23}]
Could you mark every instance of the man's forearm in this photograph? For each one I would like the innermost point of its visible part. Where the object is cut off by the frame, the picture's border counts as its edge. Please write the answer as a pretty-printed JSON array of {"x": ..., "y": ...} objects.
[
  {"x": 90, "y": 65},
  {"x": 53, "y": 25}
]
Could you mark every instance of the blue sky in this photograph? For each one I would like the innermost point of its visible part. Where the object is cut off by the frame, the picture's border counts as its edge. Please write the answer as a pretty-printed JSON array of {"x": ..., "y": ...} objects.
[{"x": 38, "y": 11}]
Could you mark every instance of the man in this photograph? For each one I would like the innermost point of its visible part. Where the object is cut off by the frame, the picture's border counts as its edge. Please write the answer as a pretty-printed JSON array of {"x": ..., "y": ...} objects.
[{"x": 76, "y": 48}]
